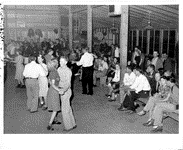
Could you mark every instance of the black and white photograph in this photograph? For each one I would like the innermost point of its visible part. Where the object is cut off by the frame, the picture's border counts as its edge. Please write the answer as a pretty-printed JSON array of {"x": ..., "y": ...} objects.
[{"x": 107, "y": 69}]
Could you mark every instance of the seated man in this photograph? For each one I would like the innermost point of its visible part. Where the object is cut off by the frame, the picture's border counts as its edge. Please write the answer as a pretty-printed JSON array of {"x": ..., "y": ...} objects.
[
  {"x": 128, "y": 80},
  {"x": 150, "y": 74},
  {"x": 171, "y": 105},
  {"x": 102, "y": 70},
  {"x": 114, "y": 84},
  {"x": 139, "y": 89}
]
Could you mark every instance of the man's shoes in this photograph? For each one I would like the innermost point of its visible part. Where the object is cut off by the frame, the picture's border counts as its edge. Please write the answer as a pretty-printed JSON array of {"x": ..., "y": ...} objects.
[
  {"x": 94, "y": 85},
  {"x": 56, "y": 122},
  {"x": 49, "y": 127},
  {"x": 89, "y": 93},
  {"x": 44, "y": 108},
  {"x": 18, "y": 86},
  {"x": 112, "y": 100},
  {"x": 149, "y": 123},
  {"x": 33, "y": 111},
  {"x": 132, "y": 112},
  {"x": 122, "y": 109},
  {"x": 23, "y": 86},
  {"x": 158, "y": 129},
  {"x": 137, "y": 106}
]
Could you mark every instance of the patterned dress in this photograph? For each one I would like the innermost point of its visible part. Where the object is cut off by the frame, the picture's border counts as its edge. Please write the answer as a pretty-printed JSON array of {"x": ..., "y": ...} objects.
[
  {"x": 19, "y": 67},
  {"x": 53, "y": 95}
]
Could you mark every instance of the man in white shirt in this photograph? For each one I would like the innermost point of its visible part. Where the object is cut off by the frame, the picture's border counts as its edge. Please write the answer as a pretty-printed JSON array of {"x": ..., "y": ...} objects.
[
  {"x": 116, "y": 52},
  {"x": 31, "y": 73},
  {"x": 102, "y": 70},
  {"x": 140, "y": 88},
  {"x": 86, "y": 62}
]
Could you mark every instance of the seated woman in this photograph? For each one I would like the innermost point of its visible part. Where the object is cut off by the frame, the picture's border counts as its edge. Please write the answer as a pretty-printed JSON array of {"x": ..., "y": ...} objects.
[
  {"x": 114, "y": 84},
  {"x": 171, "y": 105},
  {"x": 162, "y": 96},
  {"x": 111, "y": 70}
]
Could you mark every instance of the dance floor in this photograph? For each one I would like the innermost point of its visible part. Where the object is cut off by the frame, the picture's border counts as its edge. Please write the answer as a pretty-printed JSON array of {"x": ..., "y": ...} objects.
[{"x": 93, "y": 114}]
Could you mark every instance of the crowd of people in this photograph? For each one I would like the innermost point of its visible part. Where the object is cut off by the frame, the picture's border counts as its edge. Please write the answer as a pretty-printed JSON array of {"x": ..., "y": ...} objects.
[{"x": 47, "y": 70}]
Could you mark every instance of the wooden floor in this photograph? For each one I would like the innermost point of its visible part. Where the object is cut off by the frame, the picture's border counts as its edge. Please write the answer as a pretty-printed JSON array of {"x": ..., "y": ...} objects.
[{"x": 93, "y": 114}]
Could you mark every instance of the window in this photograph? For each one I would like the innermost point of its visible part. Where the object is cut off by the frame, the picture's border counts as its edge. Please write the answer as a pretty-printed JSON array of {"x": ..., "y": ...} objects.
[
  {"x": 140, "y": 39},
  {"x": 157, "y": 40},
  {"x": 171, "y": 43},
  {"x": 145, "y": 41},
  {"x": 134, "y": 39},
  {"x": 151, "y": 43},
  {"x": 130, "y": 41},
  {"x": 165, "y": 41}
]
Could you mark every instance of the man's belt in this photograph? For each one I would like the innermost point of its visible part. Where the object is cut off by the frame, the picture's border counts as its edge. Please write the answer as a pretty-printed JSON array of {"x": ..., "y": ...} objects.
[{"x": 30, "y": 78}]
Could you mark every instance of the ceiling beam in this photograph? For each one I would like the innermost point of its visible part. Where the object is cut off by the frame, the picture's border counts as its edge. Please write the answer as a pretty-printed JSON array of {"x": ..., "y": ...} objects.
[
  {"x": 144, "y": 13},
  {"x": 157, "y": 10}
]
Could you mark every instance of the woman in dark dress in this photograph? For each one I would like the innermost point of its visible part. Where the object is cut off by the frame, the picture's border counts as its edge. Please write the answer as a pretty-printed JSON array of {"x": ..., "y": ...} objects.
[{"x": 53, "y": 92}]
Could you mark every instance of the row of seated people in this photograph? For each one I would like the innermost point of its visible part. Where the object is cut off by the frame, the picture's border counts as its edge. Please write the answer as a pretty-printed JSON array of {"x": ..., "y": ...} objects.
[{"x": 160, "y": 89}]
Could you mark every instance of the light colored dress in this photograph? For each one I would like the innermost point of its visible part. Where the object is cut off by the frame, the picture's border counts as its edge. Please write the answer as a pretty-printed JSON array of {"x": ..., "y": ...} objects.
[
  {"x": 19, "y": 67},
  {"x": 43, "y": 81}
]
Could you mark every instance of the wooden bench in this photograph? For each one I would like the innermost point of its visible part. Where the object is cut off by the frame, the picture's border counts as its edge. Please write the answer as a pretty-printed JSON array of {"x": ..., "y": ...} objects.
[{"x": 174, "y": 115}]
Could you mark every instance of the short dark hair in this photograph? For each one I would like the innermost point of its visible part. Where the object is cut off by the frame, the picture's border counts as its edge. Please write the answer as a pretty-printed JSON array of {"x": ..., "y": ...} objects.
[
  {"x": 172, "y": 79},
  {"x": 138, "y": 69},
  {"x": 32, "y": 58},
  {"x": 152, "y": 66},
  {"x": 129, "y": 67},
  {"x": 164, "y": 77}
]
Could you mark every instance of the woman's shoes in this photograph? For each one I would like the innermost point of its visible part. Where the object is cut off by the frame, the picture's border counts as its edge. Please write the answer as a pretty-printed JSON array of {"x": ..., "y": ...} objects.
[
  {"x": 44, "y": 108},
  {"x": 142, "y": 113},
  {"x": 49, "y": 127},
  {"x": 157, "y": 129},
  {"x": 65, "y": 130},
  {"x": 149, "y": 123}
]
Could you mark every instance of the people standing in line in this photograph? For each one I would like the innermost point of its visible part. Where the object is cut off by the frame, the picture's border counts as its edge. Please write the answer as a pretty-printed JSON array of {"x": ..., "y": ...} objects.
[
  {"x": 86, "y": 62},
  {"x": 53, "y": 100},
  {"x": 19, "y": 69},
  {"x": 65, "y": 94},
  {"x": 43, "y": 82},
  {"x": 156, "y": 61},
  {"x": 31, "y": 73}
]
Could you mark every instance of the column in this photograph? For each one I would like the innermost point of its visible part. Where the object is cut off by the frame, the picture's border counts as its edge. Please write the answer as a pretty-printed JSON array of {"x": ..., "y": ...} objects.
[
  {"x": 137, "y": 34},
  {"x": 161, "y": 41},
  {"x": 123, "y": 41},
  {"x": 89, "y": 27},
  {"x": 148, "y": 41},
  {"x": 70, "y": 28},
  {"x": 113, "y": 38}
]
